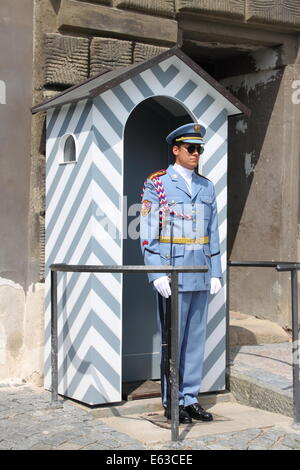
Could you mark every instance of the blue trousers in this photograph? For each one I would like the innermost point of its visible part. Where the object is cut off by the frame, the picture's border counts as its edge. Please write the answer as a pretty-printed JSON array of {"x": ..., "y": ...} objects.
[{"x": 192, "y": 335}]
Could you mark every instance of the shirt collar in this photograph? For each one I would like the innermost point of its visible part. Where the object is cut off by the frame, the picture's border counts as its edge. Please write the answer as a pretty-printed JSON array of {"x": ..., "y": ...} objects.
[{"x": 186, "y": 173}]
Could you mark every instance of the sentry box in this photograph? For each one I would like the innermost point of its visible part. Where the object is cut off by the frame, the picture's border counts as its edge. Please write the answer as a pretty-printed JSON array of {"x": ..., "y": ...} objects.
[{"x": 104, "y": 136}]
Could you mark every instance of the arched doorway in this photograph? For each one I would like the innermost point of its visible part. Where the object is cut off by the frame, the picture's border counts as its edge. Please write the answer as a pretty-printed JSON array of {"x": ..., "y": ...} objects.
[{"x": 145, "y": 151}]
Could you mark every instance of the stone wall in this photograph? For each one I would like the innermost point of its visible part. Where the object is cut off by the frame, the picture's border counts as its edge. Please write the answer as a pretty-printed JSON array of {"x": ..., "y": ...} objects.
[
  {"x": 263, "y": 189},
  {"x": 21, "y": 303},
  {"x": 84, "y": 37}
]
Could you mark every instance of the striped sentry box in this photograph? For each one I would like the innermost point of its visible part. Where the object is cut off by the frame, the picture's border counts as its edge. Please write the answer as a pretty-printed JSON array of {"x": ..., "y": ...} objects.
[{"x": 81, "y": 195}]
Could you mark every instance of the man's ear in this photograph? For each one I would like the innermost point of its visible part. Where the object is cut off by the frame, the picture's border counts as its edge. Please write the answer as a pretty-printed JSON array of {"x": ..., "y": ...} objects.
[{"x": 175, "y": 149}]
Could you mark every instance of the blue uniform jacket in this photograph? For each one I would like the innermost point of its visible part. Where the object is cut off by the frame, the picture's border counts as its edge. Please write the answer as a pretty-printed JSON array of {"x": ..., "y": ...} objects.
[{"x": 166, "y": 199}]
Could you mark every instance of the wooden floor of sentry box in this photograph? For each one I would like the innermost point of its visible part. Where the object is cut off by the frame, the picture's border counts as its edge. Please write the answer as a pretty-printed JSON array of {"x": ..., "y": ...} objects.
[{"x": 141, "y": 389}]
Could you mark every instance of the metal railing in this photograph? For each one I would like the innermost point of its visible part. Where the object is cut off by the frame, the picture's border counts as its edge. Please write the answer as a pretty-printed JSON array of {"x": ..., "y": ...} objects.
[
  {"x": 174, "y": 359},
  {"x": 293, "y": 269}
]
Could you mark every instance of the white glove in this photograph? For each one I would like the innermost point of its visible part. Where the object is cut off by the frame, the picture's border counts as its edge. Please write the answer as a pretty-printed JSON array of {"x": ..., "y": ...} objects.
[
  {"x": 215, "y": 285},
  {"x": 162, "y": 285}
]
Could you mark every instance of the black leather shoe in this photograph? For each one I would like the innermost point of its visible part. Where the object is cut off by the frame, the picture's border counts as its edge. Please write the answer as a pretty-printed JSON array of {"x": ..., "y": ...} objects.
[
  {"x": 196, "y": 411},
  {"x": 184, "y": 417}
]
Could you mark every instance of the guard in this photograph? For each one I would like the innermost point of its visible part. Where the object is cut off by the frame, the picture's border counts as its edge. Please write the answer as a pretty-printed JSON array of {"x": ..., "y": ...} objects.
[{"x": 179, "y": 226}]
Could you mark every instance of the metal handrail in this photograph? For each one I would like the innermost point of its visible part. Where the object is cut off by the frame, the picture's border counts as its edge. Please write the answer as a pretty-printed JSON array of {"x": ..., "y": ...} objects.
[
  {"x": 174, "y": 359},
  {"x": 280, "y": 266}
]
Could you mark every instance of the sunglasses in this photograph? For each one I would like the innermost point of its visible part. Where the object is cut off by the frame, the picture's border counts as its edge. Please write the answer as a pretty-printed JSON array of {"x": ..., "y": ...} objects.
[{"x": 192, "y": 148}]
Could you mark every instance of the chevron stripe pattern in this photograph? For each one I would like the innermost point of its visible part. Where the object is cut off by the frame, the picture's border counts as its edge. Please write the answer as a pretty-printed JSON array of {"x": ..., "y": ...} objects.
[{"x": 84, "y": 204}]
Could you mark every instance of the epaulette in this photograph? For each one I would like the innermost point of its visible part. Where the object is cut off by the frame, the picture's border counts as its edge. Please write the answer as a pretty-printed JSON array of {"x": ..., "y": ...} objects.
[{"x": 156, "y": 174}]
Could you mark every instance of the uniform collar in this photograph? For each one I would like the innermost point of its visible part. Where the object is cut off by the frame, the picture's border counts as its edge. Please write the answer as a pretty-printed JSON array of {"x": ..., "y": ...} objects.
[
  {"x": 180, "y": 183},
  {"x": 184, "y": 172},
  {"x": 178, "y": 180}
]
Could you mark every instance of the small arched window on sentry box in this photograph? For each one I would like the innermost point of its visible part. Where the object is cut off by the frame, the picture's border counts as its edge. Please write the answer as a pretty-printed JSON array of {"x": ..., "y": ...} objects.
[{"x": 68, "y": 149}]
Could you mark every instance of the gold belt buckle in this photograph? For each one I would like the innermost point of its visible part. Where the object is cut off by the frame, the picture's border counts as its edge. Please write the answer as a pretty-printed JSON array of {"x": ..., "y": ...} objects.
[{"x": 185, "y": 241}]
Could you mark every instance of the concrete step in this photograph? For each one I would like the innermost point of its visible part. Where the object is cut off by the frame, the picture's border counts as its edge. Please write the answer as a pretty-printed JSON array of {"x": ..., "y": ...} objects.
[
  {"x": 229, "y": 418},
  {"x": 150, "y": 405}
]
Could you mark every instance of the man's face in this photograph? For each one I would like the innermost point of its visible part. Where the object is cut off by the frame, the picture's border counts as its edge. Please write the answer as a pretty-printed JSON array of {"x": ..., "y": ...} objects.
[{"x": 184, "y": 157}]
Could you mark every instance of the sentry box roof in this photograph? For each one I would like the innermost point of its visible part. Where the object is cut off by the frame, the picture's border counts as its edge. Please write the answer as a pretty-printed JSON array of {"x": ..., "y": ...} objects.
[{"x": 106, "y": 80}]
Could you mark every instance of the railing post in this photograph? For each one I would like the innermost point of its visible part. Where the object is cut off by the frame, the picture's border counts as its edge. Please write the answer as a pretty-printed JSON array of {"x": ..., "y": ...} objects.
[
  {"x": 54, "y": 348},
  {"x": 295, "y": 351},
  {"x": 228, "y": 362},
  {"x": 174, "y": 360}
]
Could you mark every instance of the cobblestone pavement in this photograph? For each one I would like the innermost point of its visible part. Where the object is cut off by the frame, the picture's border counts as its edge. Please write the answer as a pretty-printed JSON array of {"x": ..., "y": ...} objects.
[
  {"x": 28, "y": 422},
  {"x": 270, "y": 438}
]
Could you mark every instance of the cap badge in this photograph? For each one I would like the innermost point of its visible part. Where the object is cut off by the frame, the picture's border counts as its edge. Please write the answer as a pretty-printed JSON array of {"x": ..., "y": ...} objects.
[{"x": 197, "y": 128}]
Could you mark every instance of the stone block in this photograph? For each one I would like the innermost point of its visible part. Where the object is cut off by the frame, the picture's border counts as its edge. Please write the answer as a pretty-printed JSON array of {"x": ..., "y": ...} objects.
[
  {"x": 267, "y": 398},
  {"x": 156, "y": 7},
  {"x": 95, "y": 18},
  {"x": 247, "y": 330},
  {"x": 143, "y": 52},
  {"x": 286, "y": 12},
  {"x": 66, "y": 59},
  {"x": 218, "y": 7},
  {"x": 250, "y": 392},
  {"x": 106, "y": 53},
  {"x": 240, "y": 387}
]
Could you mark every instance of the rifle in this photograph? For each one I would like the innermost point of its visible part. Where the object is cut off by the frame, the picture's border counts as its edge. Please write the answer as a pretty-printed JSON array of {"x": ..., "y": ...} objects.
[{"x": 166, "y": 334}]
